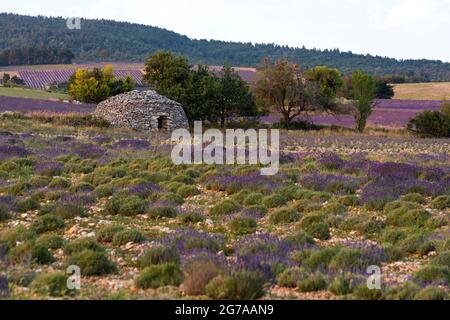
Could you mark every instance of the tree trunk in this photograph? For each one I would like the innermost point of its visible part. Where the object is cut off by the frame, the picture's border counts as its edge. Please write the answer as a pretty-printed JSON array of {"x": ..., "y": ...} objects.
[
  {"x": 222, "y": 122},
  {"x": 287, "y": 121}
]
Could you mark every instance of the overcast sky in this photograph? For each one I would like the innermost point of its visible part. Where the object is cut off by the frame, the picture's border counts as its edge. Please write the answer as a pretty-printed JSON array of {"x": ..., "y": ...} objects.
[{"x": 395, "y": 28}]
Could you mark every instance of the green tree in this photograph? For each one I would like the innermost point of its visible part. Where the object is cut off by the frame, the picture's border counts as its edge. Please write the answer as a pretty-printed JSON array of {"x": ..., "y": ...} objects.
[
  {"x": 384, "y": 89},
  {"x": 283, "y": 86},
  {"x": 364, "y": 93},
  {"x": 169, "y": 75},
  {"x": 235, "y": 97},
  {"x": 94, "y": 86},
  {"x": 204, "y": 95},
  {"x": 329, "y": 80},
  {"x": 6, "y": 78}
]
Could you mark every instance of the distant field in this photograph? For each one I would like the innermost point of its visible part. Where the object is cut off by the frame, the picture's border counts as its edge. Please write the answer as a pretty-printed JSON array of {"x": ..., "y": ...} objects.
[
  {"x": 423, "y": 91},
  {"x": 32, "y": 94},
  {"x": 116, "y": 65}
]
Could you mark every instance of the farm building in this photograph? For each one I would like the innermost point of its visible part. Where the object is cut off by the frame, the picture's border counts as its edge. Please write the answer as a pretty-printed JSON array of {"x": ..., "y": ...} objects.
[{"x": 142, "y": 110}]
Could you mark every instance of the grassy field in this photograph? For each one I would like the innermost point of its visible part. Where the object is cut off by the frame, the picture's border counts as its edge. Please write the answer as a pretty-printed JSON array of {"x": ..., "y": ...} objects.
[
  {"x": 423, "y": 91},
  {"x": 32, "y": 94},
  {"x": 112, "y": 202}
]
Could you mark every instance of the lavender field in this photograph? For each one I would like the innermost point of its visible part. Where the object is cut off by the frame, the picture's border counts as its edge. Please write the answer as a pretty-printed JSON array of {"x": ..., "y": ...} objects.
[
  {"x": 113, "y": 203},
  {"x": 394, "y": 114},
  {"x": 10, "y": 104}
]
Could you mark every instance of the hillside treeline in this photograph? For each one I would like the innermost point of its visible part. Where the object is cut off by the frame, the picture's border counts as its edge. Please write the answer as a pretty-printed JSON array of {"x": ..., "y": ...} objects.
[
  {"x": 121, "y": 41},
  {"x": 33, "y": 56}
]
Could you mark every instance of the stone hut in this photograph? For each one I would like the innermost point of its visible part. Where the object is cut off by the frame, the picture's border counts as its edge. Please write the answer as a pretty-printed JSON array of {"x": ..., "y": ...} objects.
[{"x": 142, "y": 110}]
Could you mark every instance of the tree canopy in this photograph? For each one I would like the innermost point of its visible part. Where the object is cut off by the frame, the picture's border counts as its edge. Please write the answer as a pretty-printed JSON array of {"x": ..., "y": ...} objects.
[
  {"x": 205, "y": 95},
  {"x": 94, "y": 86},
  {"x": 364, "y": 93},
  {"x": 283, "y": 85}
]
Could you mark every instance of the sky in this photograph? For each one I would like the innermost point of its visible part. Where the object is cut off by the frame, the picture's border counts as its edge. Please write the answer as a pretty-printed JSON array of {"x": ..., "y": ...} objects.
[{"x": 394, "y": 28}]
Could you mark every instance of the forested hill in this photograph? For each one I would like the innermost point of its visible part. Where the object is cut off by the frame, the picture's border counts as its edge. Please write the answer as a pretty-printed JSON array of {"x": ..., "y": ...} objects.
[{"x": 120, "y": 41}]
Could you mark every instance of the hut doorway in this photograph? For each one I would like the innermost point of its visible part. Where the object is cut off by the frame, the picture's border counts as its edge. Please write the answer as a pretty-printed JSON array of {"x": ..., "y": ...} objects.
[{"x": 163, "y": 123}]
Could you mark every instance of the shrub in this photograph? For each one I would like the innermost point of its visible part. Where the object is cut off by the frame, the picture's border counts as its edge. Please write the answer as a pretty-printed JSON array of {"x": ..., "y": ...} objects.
[
  {"x": 442, "y": 259},
  {"x": 53, "y": 285},
  {"x": 320, "y": 258},
  {"x": 346, "y": 259},
  {"x": 198, "y": 273},
  {"x": 290, "y": 277},
  {"x": 432, "y": 293},
  {"x": 313, "y": 282},
  {"x": 82, "y": 187},
  {"x": 92, "y": 263},
  {"x": 403, "y": 217},
  {"x": 127, "y": 236},
  {"x": 157, "y": 276},
  {"x": 362, "y": 292},
  {"x": 393, "y": 253},
  {"x": 412, "y": 242},
  {"x": 188, "y": 191},
  {"x": 68, "y": 211},
  {"x": 433, "y": 274},
  {"x": 107, "y": 233},
  {"x": 349, "y": 201},
  {"x": 4, "y": 213},
  {"x": 159, "y": 255},
  {"x": 240, "y": 196},
  {"x": 82, "y": 245},
  {"x": 183, "y": 178},
  {"x": 319, "y": 231},
  {"x": 441, "y": 203},
  {"x": 334, "y": 208},
  {"x": 172, "y": 198},
  {"x": 401, "y": 206},
  {"x": 31, "y": 251},
  {"x": 344, "y": 284},
  {"x": 27, "y": 205},
  {"x": 253, "y": 199},
  {"x": 274, "y": 201},
  {"x": 104, "y": 190},
  {"x": 50, "y": 241},
  {"x": 431, "y": 123},
  {"x": 161, "y": 212},
  {"x": 370, "y": 226},
  {"x": 191, "y": 217},
  {"x": 48, "y": 222},
  {"x": 225, "y": 207},
  {"x": 172, "y": 186},
  {"x": 60, "y": 183},
  {"x": 242, "y": 285},
  {"x": 393, "y": 235},
  {"x": 284, "y": 216},
  {"x": 53, "y": 195},
  {"x": 17, "y": 234},
  {"x": 299, "y": 239},
  {"x": 405, "y": 292},
  {"x": 243, "y": 225},
  {"x": 260, "y": 210},
  {"x": 125, "y": 206},
  {"x": 39, "y": 181},
  {"x": 414, "y": 197}
]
